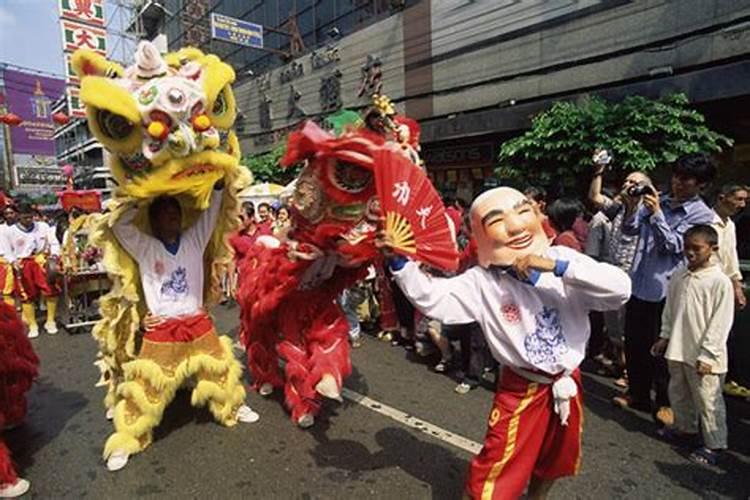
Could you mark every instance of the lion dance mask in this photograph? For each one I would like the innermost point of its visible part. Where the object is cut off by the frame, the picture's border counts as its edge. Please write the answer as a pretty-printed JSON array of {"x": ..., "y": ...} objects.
[
  {"x": 166, "y": 123},
  {"x": 288, "y": 294}
]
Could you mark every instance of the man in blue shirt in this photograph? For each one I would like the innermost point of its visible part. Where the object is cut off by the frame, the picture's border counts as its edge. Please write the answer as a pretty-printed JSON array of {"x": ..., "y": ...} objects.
[{"x": 660, "y": 223}]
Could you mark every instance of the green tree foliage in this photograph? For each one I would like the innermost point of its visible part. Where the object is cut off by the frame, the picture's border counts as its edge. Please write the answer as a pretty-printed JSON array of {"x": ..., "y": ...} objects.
[
  {"x": 265, "y": 167},
  {"x": 641, "y": 134}
]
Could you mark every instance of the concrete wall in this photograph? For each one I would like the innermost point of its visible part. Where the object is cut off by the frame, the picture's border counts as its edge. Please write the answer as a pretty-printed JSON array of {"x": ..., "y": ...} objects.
[
  {"x": 384, "y": 40},
  {"x": 593, "y": 45},
  {"x": 460, "y": 62}
]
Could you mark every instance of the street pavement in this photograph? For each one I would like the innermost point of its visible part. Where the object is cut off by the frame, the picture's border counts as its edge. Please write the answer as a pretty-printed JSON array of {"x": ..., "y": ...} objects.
[{"x": 351, "y": 452}]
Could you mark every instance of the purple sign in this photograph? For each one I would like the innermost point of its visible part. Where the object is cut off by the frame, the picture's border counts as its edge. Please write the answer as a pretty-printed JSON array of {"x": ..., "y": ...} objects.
[{"x": 31, "y": 97}]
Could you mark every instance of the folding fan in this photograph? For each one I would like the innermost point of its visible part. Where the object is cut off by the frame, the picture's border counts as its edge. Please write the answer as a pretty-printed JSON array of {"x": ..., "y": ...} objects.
[{"x": 416, "y": 225}]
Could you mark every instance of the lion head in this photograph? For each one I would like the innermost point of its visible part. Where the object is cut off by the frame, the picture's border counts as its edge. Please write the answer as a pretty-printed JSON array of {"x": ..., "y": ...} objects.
[{"x": 166, "y": 120}]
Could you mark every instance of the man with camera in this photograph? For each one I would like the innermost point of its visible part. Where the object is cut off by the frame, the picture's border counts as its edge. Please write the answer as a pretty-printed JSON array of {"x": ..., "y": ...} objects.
[
  {"x": 621, "y": 246},
  {"x": 660, "y": 224}
]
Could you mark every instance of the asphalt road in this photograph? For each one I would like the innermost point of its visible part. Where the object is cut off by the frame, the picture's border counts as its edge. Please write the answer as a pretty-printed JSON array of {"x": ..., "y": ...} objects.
[{"x": 352, "y": 452}]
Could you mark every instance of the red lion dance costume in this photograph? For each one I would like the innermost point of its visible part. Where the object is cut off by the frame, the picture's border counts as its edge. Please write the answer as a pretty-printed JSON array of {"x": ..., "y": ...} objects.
[
  {"x": 18, "y": 368},
  {"x": 288, "y": 294}
]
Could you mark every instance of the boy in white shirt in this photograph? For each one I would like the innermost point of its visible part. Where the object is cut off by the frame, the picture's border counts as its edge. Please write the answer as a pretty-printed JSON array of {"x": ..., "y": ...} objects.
[
  {"x": 180, "y": 341},
  {"x": 33, "y": 250},
  {"x": 696, "y": 321},
  {"x": 532, "y": 302}
]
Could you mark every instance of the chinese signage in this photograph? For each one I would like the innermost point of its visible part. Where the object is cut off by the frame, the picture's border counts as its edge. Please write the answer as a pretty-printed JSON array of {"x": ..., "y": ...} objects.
[
  {"x": 77, "y": 35},
  {"x": 30, "y": 97},
  {"x": 82, "y": 27},
  {"x": 236, "y": 31},
  {"x": 90, "y": 12}
]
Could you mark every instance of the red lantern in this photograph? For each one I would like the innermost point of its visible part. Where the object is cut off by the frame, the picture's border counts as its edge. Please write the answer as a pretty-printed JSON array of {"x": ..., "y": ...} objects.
[
  {"x": 60, "y": 118},
  {"x": 12, "y": 119}
]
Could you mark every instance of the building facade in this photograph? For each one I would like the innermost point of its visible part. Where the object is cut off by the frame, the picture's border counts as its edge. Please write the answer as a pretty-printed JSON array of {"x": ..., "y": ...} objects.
[{"x": 474, "y": 73}]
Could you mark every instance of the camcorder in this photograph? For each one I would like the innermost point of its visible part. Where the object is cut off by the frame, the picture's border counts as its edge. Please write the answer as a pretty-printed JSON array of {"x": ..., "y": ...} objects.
[{"x": 640, "y": 189}]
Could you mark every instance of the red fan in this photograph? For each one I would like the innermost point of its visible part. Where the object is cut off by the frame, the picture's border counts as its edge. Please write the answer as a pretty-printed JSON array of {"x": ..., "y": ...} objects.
[{"x": 416, "y": 225}]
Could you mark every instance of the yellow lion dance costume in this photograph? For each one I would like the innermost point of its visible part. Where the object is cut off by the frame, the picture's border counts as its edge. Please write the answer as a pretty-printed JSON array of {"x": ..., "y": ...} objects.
[{"x": 166, "y": 123}]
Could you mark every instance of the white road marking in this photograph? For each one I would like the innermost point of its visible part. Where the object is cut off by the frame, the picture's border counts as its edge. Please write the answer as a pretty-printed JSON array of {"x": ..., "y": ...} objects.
[{"x": 436, "y": 432}]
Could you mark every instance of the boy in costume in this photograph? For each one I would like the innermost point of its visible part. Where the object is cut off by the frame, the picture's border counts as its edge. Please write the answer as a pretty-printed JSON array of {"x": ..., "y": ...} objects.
[
  {"x": 166, "y": 122},
  {"x": 34, "y": 252},
  {"x": 7, "y": 277},
  {"x": 532, "y": 302},
  {"x": 18, "y": 368}
]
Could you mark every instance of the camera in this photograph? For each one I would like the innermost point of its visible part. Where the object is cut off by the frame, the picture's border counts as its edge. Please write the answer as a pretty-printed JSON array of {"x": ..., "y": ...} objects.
[
  {"x": 640, "y": 190},
  {"x": 602, "y": 158}
]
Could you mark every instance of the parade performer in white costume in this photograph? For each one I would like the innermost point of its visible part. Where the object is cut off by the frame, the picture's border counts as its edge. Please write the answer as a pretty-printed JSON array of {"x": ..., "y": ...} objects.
[
  {"x": 167, "y": 122},
  {"x": 532, "y": 302}
]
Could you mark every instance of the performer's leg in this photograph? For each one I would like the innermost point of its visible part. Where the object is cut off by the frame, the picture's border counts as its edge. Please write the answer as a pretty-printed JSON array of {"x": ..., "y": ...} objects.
[
  {"x": 263, "y": 360},
  {"x": 218, "y": 375},
  {"x": 8, "y": 474},
  {"x": 504, "y": 466},
  {"x": 147, "y": 390},
  {"x": 28, "y": 314},
  {"x": 7, "y": 283},
  {"x": 328, "y": 350},
  {"x": 560, "y": 454},
  {"x": 299, "y": 394},
  {"x": 51, "y": 323}
]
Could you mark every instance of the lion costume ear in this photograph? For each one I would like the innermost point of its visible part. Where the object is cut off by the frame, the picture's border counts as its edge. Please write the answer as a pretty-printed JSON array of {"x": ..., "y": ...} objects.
[
  {"x": 112, "y": 112},
  {"x": 89, "y": 63}
]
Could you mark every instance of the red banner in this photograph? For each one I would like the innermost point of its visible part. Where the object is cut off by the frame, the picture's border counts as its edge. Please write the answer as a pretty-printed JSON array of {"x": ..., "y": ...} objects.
[{"x": 88, "y": 201}]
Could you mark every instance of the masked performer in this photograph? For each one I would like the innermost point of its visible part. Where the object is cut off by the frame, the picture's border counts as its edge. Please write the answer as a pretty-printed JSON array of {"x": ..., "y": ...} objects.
[
  {"x": 18, "y": 368},
  {"x": 35, "y": 253},
  {"x": 167, "y": 123},
  {"x": 532, "y": 302}
]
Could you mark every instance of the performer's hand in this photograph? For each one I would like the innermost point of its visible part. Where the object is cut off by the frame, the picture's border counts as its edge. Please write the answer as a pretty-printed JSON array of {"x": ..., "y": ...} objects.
[
  {"x": 703, "y": 368},
  {"x": 659, "y": 347},
  {"x": 381, "y": 242},
  {"x": 524, "y": 265},
  {"x": 151, "y": 321}
]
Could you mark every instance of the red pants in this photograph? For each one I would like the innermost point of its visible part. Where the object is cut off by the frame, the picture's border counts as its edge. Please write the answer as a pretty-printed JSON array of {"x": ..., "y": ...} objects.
[
  {"x": 525, "y": 438},
  {"x": 33, "y": 280}
]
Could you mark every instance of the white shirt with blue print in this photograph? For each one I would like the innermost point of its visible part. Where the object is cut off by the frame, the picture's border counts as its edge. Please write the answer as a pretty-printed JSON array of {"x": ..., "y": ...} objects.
[
  {"x": 543, "y": 326},
  {"x": 172, "y": 283}
]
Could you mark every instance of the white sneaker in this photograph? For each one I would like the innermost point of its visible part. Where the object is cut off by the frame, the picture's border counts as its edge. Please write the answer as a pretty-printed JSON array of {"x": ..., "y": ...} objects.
[
  {"x": 33, "y": 332},
  {"x": 110, "y": 415},
  {"x": 14, "y": 490},
  {"x": 51, "y": 328},
  {"x": 327, "y": 387},
  {"x": 117, "y": 460},
  {"x": 306, "y": 421},
  {"x": 265, "y": 389},
  {"x": 246, "y": 415}
]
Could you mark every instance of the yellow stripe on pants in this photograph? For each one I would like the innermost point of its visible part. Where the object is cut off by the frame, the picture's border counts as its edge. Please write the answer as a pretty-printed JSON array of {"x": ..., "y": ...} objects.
[{"x": 510, "y": 445}]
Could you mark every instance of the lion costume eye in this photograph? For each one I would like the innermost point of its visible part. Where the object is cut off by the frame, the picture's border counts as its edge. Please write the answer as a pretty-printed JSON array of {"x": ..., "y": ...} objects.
[
  {"x": 220, "y": 105},
  {"x": 350, "y": 177},
  {"x": 114, "y": 126}
]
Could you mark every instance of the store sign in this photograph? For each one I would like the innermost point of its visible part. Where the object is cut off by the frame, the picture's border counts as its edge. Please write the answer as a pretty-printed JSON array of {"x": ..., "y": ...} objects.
[
  {"x": 31, "y": 96},
  {"x": 236, "y": 31},
  {"x": 40, "y": 176},
  {"x": 459, "y": 155},
  {"x": 82, "y": 36},
  {"x": 85, "y": 11}
]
